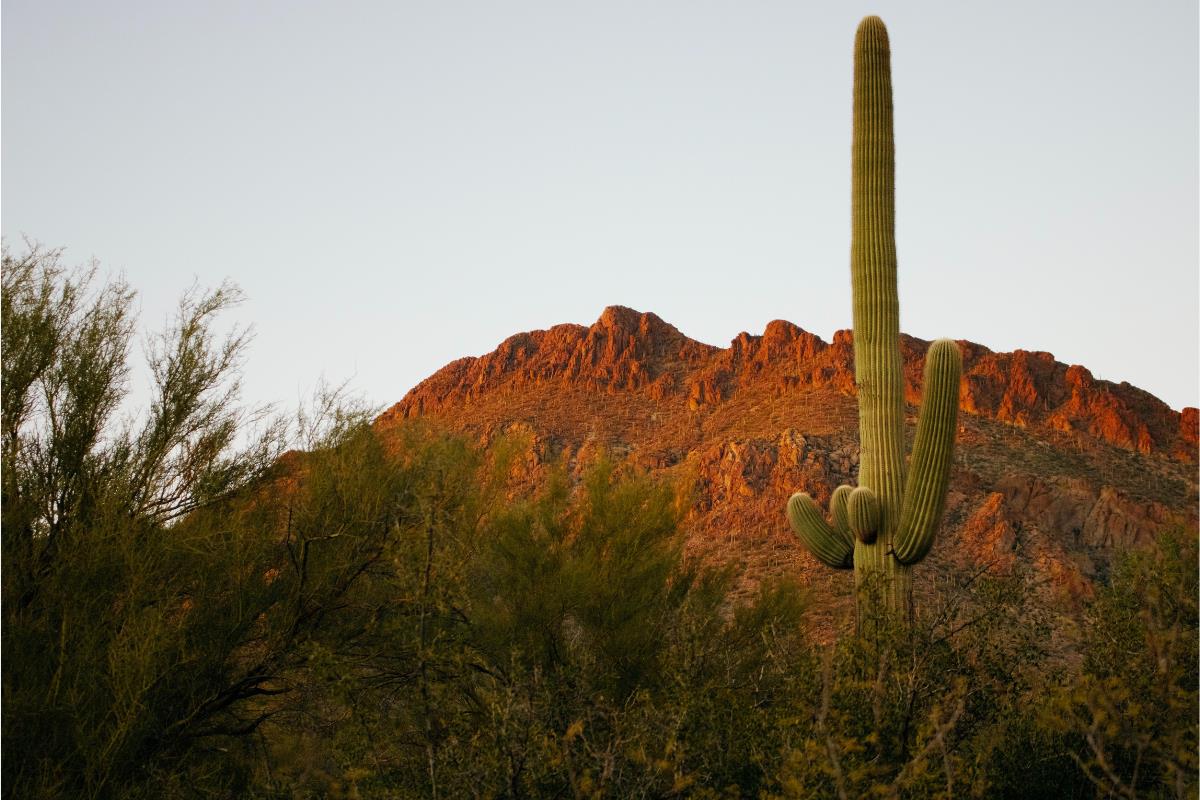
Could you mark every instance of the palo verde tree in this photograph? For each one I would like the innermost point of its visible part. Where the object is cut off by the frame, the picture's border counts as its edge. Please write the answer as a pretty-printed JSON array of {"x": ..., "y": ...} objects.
[
  {"x": 886, "y": 524},
  {"x": 156, "y": 606}
]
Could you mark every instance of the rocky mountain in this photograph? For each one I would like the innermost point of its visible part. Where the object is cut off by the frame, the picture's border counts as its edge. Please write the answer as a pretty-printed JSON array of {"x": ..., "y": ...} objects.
[{"x": 1053, "y": 467}]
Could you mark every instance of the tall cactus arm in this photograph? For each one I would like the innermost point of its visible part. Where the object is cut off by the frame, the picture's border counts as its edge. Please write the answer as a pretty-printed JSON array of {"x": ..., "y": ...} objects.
[
  {"x": 878, "y": 367},
  {"x": 933, "y": 451},
  {"x": 823, "y": 540}
]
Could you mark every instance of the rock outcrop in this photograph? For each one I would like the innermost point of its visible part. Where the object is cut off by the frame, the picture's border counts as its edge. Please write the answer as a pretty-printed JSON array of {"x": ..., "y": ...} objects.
[
  {"x": 1052, "y": 466},
  {"x": 626, "y": 350}
]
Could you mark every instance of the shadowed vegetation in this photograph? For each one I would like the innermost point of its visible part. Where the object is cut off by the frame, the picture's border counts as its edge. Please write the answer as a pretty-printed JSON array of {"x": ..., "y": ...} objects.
[{"x": 189, "y": 610}]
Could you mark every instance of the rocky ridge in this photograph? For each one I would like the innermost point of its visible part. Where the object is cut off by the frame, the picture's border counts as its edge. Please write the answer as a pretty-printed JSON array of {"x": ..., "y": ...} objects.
[
  {"x": 626, "y": 350},
  {"x": 1053, "y": 467}
]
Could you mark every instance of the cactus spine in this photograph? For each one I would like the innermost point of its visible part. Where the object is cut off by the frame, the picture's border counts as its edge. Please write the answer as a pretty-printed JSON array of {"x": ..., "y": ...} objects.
[{"x": 888, "y": 523}]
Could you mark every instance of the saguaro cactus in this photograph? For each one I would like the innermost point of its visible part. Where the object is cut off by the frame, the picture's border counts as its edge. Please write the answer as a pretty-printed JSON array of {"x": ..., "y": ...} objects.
[{"x": 886, "y": 524}]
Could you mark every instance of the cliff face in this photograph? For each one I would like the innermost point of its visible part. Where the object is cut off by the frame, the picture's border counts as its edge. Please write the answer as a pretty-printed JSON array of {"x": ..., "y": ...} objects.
[
  {"x": 630, "y": 351},
  {"x": 1052, "y": 465}
]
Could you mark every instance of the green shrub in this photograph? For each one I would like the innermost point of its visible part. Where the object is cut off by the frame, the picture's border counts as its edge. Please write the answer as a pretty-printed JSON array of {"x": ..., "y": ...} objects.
[
  {"x": 400, "y": 613},
  {"x": 1130, "y": 715}
]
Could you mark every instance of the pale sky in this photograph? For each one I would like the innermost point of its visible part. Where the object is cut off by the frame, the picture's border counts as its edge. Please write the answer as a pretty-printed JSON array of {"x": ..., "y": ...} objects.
[{"x": 399, "y": 184}]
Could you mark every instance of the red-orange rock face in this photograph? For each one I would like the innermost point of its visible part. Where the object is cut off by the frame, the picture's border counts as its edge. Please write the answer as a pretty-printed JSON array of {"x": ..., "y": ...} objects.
[
  {"x": 1052, "y": 465},
  {"x": 625, "y": 350},
  {"x": 1189, "y": 433}
]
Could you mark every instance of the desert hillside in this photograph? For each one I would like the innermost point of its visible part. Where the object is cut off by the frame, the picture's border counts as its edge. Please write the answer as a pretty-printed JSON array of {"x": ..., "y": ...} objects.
[{"x": 1053, "y": 467}]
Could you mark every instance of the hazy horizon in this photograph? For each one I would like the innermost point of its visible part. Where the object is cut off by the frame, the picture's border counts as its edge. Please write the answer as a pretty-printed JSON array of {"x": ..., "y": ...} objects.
[{"x": 396, "y": 186}]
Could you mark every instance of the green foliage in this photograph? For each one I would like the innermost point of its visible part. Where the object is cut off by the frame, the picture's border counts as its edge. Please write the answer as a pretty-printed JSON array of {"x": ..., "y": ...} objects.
[
  {"x": 918, "y": 712},
  {"x": 593, "y": 576},
  {"x": 895, "y": 528},
  {"x": 585, "y": 595},
  {"x": 188, "y": 611},
  {"x": 558, "y": 643},
  {"x": 151, "y": 606},
  {"x": 1132, "y": 713},
  {"x": 113, "y": 675}
]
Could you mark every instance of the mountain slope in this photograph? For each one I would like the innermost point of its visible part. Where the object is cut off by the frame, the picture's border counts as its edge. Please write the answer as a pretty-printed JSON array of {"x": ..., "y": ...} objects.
[{"x": 1053, "y": 467}]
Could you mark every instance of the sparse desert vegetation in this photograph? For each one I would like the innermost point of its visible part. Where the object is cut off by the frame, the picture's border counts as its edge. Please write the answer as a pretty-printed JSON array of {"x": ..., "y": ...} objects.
[{"x": 201, "y": 601}]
